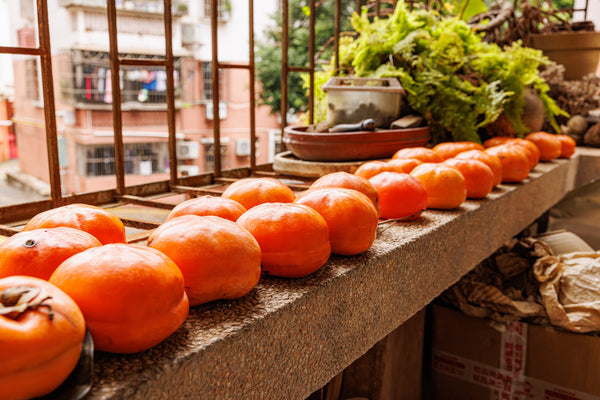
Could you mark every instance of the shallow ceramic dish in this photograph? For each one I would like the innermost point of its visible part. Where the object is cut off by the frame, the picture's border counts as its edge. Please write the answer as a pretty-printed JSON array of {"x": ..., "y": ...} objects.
[{"x": 352, "y": 146}]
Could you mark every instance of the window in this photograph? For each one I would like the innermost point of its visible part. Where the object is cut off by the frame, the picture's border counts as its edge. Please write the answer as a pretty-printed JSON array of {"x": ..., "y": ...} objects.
[
  {"x": 209, "y": 155},
  {"x": 92, "y": 79},
  {"x": 224, "y": 9},
  {"x": 140, "y": 159},
  {"x": 207, "y": 80},
  {"x": 32, "y": 79}
]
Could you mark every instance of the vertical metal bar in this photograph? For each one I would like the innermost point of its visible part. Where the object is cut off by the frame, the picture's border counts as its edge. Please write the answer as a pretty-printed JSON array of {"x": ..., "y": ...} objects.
[
  {"x": 49, "y": 106},
  {"x": 252, "y": 86},
  {"x": 214, "y": 15},
  {"x": 311, "y": 61},
  {"x": 170, "y": 70},
  {"x": 284, "y": 62},
  {"x": 336, "y": 32},
  {"x": 115, "y": 67}
]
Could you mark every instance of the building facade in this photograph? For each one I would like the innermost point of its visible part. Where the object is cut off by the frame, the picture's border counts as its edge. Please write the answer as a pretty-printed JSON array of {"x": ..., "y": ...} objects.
[{"x": 82, "y": 83}]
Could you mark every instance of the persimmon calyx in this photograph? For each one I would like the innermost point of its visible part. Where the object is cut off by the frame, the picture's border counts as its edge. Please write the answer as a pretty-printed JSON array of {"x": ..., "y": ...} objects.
[{"x": 15, "y": 300}]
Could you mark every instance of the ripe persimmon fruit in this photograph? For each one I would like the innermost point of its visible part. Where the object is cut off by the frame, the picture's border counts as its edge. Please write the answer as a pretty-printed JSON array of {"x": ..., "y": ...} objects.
[
  {"x": 567, "y": 146},
  {"x": 549, "y": 144},
  {"x": 451, "y": 149},
  {"x": 349, "y": 181},
  {"x": 445, "y": 185},
  {"x": 293, "y": 238},
  {"x": 350, "y": 215},
  {"x": 423, "y": 154},
  {"x": 496, "y": 140},
  {"x": 531, "y": 150},
  {"x": 250, "y": 192},
  {"x": 369, "y": 169},
  {"x": 515, "y": 163},
  {"x": 401, "y": 196},
  {"x": 218, "y": 258},
  {"x": 208, "y": 205},
  {"x": 40, "y": 343},
  {"x": 132, "y": 296},
  {"x": 102, "y": 224},
  {"x": 490, "y": 160},
  {"x": 403, "y": 165},
  {"x": 479, "y": 178},
  {"x": 40, "y": 251}
]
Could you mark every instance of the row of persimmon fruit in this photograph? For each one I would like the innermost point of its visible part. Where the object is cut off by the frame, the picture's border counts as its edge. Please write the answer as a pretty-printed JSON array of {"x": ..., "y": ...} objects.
[{"x": 71, "y": 268}]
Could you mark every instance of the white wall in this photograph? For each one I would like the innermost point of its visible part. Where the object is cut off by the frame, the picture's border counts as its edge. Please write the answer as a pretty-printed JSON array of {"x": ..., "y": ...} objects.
[{"x": 233, "y": 34}]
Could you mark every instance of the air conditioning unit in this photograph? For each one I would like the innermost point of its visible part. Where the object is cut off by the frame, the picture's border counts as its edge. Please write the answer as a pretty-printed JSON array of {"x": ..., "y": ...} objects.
[
  {"x": 188, "y": 150},
  {"x": 242, "y": 147},
  {"x": 188, "y": 170},
  {"x": 210, "y": 111},
  {"x": 190, "y": 34}
]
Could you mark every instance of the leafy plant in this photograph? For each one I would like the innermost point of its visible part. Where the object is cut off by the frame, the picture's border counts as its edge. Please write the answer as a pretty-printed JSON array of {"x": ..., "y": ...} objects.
[{"x": 458, "y": 82}]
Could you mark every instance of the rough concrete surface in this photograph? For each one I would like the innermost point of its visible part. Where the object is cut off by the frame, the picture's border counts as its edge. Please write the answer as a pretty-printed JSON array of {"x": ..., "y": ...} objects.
[{"x": 289, "y": 337}]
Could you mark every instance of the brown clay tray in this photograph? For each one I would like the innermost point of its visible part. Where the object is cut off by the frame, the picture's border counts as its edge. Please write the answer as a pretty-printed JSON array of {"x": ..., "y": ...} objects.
[{"x": 352, "y": 146}]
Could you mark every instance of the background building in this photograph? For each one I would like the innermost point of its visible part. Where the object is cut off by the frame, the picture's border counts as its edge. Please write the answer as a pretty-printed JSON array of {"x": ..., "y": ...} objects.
[{"x": 82, "y": 81}]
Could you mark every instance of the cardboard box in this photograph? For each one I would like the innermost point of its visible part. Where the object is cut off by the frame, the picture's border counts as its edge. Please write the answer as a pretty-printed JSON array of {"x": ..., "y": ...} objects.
[{"x": 471, "y": 360}]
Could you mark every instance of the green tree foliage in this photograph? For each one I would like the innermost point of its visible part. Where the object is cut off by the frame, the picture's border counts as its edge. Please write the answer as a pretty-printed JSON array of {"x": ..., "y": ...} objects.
[{"x": 269, "y": 50}]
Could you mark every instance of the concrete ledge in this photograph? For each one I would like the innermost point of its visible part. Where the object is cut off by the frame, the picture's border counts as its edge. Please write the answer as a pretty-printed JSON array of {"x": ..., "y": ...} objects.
[{"x": 288, "y": 338}]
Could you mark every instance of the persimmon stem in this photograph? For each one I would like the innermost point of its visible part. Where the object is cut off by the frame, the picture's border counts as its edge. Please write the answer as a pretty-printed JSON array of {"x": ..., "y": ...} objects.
[{"x": 15, "y": 300}]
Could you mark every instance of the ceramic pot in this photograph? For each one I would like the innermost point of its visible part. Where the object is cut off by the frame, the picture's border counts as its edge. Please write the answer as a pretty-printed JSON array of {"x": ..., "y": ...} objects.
[{"x": 578, "y": 51}]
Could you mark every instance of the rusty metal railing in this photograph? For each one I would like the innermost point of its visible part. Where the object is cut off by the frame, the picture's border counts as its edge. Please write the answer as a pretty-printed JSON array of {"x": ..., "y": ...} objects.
[{"x": 13, "y": 215}]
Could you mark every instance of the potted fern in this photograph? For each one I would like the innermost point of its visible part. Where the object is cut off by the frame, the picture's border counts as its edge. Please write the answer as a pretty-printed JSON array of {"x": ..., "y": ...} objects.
[{"x": 458, "y": 82}]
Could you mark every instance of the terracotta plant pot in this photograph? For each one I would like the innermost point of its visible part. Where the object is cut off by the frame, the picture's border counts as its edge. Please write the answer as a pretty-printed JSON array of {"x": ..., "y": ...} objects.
[
  {"x": 351, "y": 146},
  {"x": 578, "y": 51}
]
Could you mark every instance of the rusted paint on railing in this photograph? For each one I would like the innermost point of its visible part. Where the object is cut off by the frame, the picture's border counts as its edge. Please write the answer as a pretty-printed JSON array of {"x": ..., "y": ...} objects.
[
  {"x": 214, "y": 15},
  {"x": 49, "y": 105},
  {"x": 116, "y": 93},
  {"x": 136, "y": 200}
]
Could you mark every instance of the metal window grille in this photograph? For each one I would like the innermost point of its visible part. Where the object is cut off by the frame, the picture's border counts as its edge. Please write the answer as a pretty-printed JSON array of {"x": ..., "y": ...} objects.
[{"x": 120, "y": 63}]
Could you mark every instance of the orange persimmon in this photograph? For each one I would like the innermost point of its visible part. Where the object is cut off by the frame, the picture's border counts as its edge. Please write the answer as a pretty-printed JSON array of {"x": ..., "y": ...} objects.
[
  {"x": 402, "y": 196},
  {"x": 490, "y": 160},
  {"x": 348, "y": 181},
  {"x": 445, "y": 185},
  {"x": 40, "y": 344},
  {"x": 531, "y": 150},
  {"x": 423, "y": 154},
  {"x": 549, "y": 144},
  {"x": 250, "y": 192},
  {"x": 208, "y": 205},
  {"x": 404, "y": 165},
  {"x": 40, "y": 251},
  {"x": 479, "y": 178},
  {"x": 450, "y": 149},
  {"x": 515, "y": 162},
  {"x": 102, "y": 224},
  {"x": 132, "y": 296},
  {"x": 218, "y": 258},
  {"x": 293, "y": 238},
  {"x": 371, "y": 168},
  {"x": 350, "y": 215},
  {"x": 567, "y": 146}
]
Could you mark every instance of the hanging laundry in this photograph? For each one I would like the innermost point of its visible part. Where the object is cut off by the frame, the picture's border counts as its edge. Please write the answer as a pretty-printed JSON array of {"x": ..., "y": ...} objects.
[
  {"x": 161, "y": 81},
  {"x": 108, "y": 92},
  {"x": 142, "y": 95},
  {"x": 150, "y": 81},
  {"x": 101, "y": 81},
  {"x": 134, "y": 75}
]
